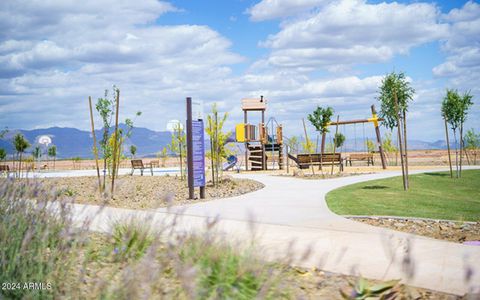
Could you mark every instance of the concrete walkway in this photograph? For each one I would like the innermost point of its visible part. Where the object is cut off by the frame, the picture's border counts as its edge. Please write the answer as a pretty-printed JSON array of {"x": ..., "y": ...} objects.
[{"x": 289, "y": 217}]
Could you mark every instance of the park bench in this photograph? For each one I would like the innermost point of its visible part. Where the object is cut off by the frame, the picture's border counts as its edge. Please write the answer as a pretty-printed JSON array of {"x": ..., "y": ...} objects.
[
  {"x": 368, "y": 157},
  {"x": 320, "y": 159},
  {"x": 5, "y": 169},
  {"x": 137, "y": 164}
]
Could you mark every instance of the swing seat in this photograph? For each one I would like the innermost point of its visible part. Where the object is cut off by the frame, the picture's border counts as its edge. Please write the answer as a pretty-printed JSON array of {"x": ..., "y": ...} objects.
[{"x": 368, "y": 157}]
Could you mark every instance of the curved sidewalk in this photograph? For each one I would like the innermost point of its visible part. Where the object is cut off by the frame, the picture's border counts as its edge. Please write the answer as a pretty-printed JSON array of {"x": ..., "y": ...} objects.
[{"x": 291, "y": 209}]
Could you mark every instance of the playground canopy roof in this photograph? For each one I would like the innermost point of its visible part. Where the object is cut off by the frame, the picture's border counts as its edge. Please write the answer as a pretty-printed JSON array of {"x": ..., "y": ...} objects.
[{"x": 254, "y": 104}]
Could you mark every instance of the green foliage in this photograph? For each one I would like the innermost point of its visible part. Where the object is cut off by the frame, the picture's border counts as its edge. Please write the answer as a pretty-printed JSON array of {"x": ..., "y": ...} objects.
[
  {"x": 308, "y": 146},
  {"x": 293, "y": 144},
  {"x": 320, "y": 118},
  {"x": 163, "y": 155},
  {"x": 20, "y": 143},
  {"x": 224, "y": 273},
  {"x": 3, "y": 154},
  {"x": 52, "y": 151},
  {"x": 388, "y": 145},
  {"x": 363, "y": 290},
  {"x": 3, "y": 132},
  {"x": 455, "y": 108},
  {"x": 37, "y": 152},
  {"x": 472, "y": 140},
  {"x": 178, "y": 146},
  {"x": 130, "y": 240},
  {"x": 133, "y": 150},
  {"x": 218, "y": 152},
  {"x": 370, "y": 145},
  {"x": 106, "y": 107},
  {"x": 394, "y": 84},
  {"x": 338, "y": 140},
  {"x": 36, "y": 245}
]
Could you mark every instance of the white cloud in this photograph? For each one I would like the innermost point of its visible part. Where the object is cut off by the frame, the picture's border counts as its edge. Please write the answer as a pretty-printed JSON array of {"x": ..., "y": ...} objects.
[
  {"x": 462, "y": 65},
  {"x": 354, "y": 32},
  {"x": 54, "y": 55},
  {"x": 273, "y": 9}
]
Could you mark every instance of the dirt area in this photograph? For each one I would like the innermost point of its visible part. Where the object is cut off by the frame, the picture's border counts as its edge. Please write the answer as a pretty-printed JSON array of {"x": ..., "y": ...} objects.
[
  {"x": 297, "y": 282},
  {"x": 317, "y": 284},
  {"x": 146, "y": 192},
  {"x": 458, "y": 232},
  {"x": 416, "y": 158}
]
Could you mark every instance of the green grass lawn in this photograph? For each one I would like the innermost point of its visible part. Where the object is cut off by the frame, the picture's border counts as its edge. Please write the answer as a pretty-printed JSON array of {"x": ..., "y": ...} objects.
[{"x": 431, "y": 195}]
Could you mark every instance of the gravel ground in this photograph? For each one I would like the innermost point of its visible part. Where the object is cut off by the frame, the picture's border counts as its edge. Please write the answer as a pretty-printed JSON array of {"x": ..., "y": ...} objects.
[
  {"x": 458, "y": 232},
  {"x": 146, "y": 192}
]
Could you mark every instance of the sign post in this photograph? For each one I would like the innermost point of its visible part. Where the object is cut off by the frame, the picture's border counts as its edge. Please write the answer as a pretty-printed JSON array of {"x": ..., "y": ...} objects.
[{"x": 195, "y": 152}]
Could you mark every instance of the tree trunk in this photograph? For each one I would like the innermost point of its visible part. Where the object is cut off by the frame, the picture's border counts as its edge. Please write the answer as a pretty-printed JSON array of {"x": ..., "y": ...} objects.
[
  {"x": 211, "y": 158},
  {"x": 456, "y": 151},
  {"x": 461, "y": 150},
  {"x": 448, "y": 149},
  {"x": 399, "y": 129},
  {"x": 20, "y": 165},
  {"x": 181, "y": 158},
  {"x": 406, "y": 148}
]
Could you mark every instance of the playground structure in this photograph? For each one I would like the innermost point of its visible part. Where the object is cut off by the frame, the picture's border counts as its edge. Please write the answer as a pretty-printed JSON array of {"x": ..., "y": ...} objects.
[
  {"x": 306, "y": 160},
  {"x": 258, "y": 142}
]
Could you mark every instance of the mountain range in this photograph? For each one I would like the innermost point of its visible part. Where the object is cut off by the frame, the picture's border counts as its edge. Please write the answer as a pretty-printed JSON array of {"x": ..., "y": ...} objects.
[{"x": 72, "y": 142}]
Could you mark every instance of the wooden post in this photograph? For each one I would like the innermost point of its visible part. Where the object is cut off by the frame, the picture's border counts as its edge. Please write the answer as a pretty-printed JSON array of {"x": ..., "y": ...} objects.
[
  {"x": 306, "y": 143},
  {"x": 191, "y": 189},
  {"x": 95, "y": 150},
  {"x": 245, "y": 120},
  {"x": 379, "y": 138},
  {"x": 287, "y": 159},
  {"x": 405, "y": 143},
  {"x": 448, "y": 147},
  {"x": 399, "y": 128},
  {"x": 461, "y": 148},
  {"x": 334, "y": 146},
  {"x": 115, "y": 142}
]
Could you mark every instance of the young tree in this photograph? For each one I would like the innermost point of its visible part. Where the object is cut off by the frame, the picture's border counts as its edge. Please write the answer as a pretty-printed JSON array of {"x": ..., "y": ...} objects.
[
  {"x": 133, "y": 150},
  {"x": 454, "y": 111},
  {"x": 106, "y": 108},
  {"x": 3, "y": 154},
  {"x": 339, "y": 140},
  {"x": 370, "y": 146},
  {"x": 292, "y": 144},
  {"x": 472, "y": 143},
  {"x": 178, "y": 147},
  {"x": 320, "y": 118},
  {"x": 163, "y": 155},
  {"x": 37, "y": 153},
  {"x": 218, "y": 152},
  {"x": 308, "y": 146},
  {"x": 394, "y": 95},
  {"x": 52, "y": 152},
  {"x": 389, "y": 147},
  {"x": 20, "y": 143}
]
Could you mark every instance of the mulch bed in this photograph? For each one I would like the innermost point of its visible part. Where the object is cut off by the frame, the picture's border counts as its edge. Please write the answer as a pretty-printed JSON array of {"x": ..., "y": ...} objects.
[
  {"x": 453, "y": 231},
  {"x": 146, "y": 192}
]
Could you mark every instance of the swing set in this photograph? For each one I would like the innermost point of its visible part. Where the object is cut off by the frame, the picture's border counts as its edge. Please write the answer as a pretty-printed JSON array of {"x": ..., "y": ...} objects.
[{"x": 368, "y": 157}]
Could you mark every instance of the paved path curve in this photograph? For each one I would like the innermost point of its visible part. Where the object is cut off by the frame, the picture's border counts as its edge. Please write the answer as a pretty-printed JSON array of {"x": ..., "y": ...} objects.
[{"x": 290, "y": 209}]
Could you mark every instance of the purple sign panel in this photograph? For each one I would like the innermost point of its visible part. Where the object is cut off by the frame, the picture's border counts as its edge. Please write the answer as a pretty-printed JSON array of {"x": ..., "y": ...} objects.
[{"x": 198, "y": 147}]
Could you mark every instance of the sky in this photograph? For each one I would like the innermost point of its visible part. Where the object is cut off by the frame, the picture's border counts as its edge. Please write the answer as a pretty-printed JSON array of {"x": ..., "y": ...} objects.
[{"x": 298, "y": 54}]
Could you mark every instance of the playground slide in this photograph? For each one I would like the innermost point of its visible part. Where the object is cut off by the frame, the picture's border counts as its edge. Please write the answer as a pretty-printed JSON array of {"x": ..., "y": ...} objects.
[{"x": 231, "y": 161}]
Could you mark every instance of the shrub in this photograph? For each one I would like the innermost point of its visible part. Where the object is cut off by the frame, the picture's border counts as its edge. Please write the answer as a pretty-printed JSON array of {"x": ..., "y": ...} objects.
[{"x": 37, "y": 244}]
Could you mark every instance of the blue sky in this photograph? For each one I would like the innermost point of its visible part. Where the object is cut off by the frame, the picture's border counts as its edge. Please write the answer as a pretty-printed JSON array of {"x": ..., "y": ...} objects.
[{"x": 297, "y": 53}]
